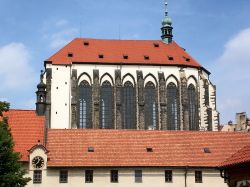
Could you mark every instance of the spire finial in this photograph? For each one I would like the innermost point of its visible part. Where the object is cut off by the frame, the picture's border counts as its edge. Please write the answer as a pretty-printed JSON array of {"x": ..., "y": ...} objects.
[
  {"x": 41, "y": 76},
  {"x": 166, "y": 7}
]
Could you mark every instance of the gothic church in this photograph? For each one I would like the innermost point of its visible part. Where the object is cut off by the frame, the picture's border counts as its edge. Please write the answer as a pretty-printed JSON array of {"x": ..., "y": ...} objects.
[{"x": 127, "y": 84}]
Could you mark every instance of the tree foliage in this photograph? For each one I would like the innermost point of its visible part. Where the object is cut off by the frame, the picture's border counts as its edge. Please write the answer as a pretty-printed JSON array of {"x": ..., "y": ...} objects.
[{"x": 11, "y": 171}]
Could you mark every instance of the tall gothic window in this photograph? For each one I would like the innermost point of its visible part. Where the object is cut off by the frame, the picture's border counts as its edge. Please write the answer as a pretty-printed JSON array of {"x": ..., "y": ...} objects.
[
  {"x": 151, "y": 111},
  {"x": 106, "y": 105},
  {"x": 85, "y": 105},
  {"x": 129, "y": 106},
  {"x": 193, "y": 108},
  {"x": 172, "y": 107}
]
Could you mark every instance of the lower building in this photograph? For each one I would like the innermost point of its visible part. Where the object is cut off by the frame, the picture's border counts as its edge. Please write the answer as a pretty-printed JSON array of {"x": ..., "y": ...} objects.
[
  {"x": 242, "y": 123},
  {"x": 108, "y": 157}
]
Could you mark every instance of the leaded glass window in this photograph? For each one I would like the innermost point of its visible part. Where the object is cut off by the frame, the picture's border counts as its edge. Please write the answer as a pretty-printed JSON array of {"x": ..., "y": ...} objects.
[
  {"x": 129, "y": 106},
  {"x": 89, "y": 175},
  {"x": 192, "y": 108},
  {"x": 138, "y": 176},
  {"x": 114, "y": 176},
  {"x": 85, "y": 105},
  {"x": 172, "y": 107},
  {"x": 106, "y": 106},
  {"x": 37, "y": 177},
  {"x": 151, "y": 111},
  {"x": 63, "y": 176},
  {"x": 198, "y": 176},
  {"x": 168, "y": 176}
]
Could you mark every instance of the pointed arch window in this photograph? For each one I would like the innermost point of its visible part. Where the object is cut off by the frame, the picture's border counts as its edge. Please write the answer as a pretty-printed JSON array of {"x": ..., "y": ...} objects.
[
  {"x": 85, "y": 105},
  {"x": 129, "y": 106},
  {"x": 192, "y": 108},
  {"x": 106, "y": 105},
  {"x": 173, "y": 114},
  {"x": 151, "y": 111}
]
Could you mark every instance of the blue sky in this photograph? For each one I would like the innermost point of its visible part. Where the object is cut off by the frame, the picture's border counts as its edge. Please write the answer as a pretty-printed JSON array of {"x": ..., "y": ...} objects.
[{"x": 216, "y": 33}]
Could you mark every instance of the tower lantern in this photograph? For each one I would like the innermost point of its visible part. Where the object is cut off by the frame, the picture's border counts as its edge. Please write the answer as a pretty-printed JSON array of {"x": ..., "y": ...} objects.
[
  {"x": 167, "y": 35},
  {"x": 41, "y": 97}
]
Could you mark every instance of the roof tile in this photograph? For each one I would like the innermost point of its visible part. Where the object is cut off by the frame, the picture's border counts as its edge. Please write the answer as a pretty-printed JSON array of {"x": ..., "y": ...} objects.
[
  {"x": 240, "y": 157},
  {"x": 26, "y": 128},
  {"x": 128, "y": 147}
]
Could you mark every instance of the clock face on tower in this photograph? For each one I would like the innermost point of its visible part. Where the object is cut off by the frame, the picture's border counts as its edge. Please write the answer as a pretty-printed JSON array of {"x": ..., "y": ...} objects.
[{"x": 38, "y": 162}]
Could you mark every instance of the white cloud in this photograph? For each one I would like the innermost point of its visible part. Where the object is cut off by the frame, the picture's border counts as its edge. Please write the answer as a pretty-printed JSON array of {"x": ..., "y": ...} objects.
[
  {"x": 16, "y": 71},
  {"x": 58, "y": 33},
  {"x": 4, "y": 99},
  {"x": 232, "y": 70},
  {"x": 61, "y": 38},
  {"x": 18, "y": 78},
  {"x": 61, "y": 22}
]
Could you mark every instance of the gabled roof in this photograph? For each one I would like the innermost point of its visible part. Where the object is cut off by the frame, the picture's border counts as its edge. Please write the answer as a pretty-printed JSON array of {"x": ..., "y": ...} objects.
[
  {"x": 26, "y": 128},
  {"x": 141, "y": 52},
  {"x": 240, "y": 157},
  {"x": 114, "y": 148}
]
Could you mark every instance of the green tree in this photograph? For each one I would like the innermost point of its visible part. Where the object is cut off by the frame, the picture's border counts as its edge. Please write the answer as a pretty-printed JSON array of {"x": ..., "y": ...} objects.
[{"x": 11, "y": 171}]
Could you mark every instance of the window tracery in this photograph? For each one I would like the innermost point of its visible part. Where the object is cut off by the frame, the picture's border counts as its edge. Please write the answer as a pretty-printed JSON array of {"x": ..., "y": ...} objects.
[
  {"x": 151, "y": 111},
  {"x": 106, "y": 105},
  {"x": 172, "y": 107},
  {"x": 129, "y": 106},
  {"x": 192, "y": 108},
  {"x": 85, "y": 105}
]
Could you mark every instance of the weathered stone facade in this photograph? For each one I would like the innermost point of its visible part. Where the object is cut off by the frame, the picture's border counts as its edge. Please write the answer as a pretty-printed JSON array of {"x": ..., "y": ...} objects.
[{"x": 205, "y": 96}]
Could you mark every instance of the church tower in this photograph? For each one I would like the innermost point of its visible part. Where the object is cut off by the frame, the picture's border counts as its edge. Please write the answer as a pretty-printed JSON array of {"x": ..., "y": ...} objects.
[
  {"x": 167, "y": 28},
  {"x": 41, "y": 97}
]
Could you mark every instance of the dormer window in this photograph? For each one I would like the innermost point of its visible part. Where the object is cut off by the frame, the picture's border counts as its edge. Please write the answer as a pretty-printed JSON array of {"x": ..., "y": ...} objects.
[
  {"x": 125, "y": 57},
  {"x": 86, "y": 43},
  {"x": 207, "y": 150},
  {"x": 146, "y": 57},
  {"x": 149, "y": 149},
  {"x": 70, "y": 55},
  {"x": 187, "y": 59},
  {"x": 170, "y": 58},
  {"x": 91, "y": 149},
  {"x": 156, "y": 45}
]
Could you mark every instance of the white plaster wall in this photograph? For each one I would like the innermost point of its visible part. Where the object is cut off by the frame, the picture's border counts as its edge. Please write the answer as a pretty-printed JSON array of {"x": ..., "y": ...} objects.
[
  {"x": 60, "y": 97},
  {"x": 150, "y": 177},
  {"x": 128, "y": 78},
  {"x": 211, "y": 178},
  {"x": 172, "y": 79}
]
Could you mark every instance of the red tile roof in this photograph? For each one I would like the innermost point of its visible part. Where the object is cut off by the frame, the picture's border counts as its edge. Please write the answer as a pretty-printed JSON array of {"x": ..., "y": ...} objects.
[
  {"x": 113, "y": 52},
  {"x": 68, "y": 147},
  {"x": 26, "y": 128},
  {"x": 240, "y": 157},
  {"x": 128, "y": 147}
]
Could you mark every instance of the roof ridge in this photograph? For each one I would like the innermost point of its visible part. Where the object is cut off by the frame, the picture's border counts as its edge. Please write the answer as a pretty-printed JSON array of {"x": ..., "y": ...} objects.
[
  {"x": 13, "y": 109},
  {"x": 103, "y": 39},
  {"x": 148, "y": 131}
]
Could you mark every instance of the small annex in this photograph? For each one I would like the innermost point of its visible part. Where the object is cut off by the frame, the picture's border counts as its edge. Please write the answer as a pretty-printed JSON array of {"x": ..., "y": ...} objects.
[{"x": 237, "y": 168}]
